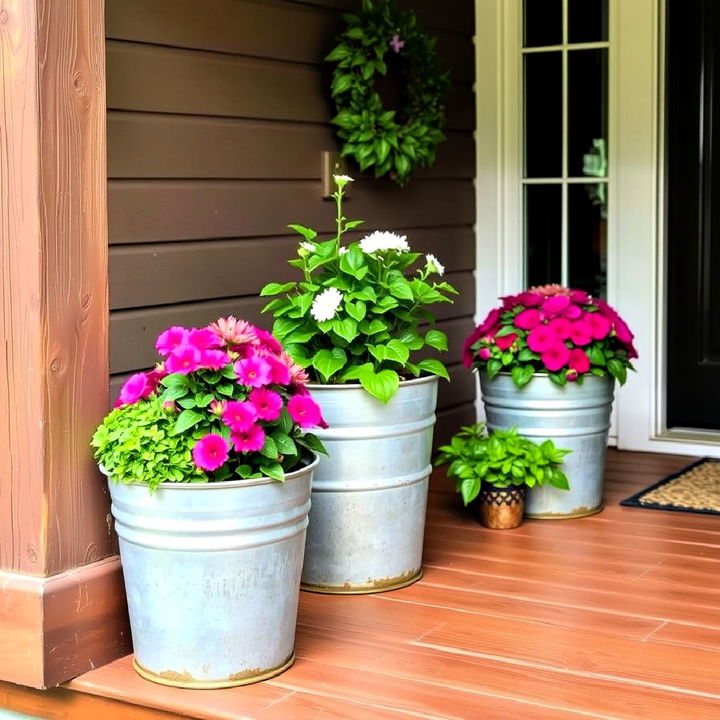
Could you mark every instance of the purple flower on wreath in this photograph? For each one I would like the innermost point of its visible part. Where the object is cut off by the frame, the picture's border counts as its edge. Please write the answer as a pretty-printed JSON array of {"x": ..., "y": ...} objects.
[{"x": 396, "y": 43}]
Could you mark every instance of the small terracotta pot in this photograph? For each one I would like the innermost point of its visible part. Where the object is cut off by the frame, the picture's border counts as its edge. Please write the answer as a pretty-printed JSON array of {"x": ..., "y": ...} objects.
[{"x": 500, "y": 508}]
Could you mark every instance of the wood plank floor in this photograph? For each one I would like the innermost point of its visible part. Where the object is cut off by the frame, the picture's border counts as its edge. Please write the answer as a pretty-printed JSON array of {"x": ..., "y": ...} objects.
[{"x": 611, "y": 616}]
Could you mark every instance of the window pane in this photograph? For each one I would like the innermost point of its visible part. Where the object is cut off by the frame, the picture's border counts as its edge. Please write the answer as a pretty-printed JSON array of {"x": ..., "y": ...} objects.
[
  {"x": 587, "y": 21},
  {"x": 587, "y": 238},
  {"x": 587, "y": 113},
  {"x": 542, "y": 22},
  {"x": 543, "y": 114},
  {"x": 543, "y": 233}
]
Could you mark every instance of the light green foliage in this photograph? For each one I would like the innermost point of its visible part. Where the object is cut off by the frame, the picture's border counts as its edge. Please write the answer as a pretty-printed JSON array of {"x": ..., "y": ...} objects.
[
  {"x": 380, "y": 323},
  {"x": 393, "y": 142},
  {"x": 501, "y": 459}
]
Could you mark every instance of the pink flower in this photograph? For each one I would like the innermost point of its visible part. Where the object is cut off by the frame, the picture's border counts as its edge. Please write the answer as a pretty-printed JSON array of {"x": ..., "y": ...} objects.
[
  {"x": 623, "y": 331},
  {"x": 267, "y": 403},
  {"x": 555, "y": 305},
  {"x": 217, "y": 407},
  {"x": 305, "y": 411},
  {"x": 529, "y": 298},
  {"x": 213, "y": 359},
  {"x": 279, "y": 370},
  {"x": 573, "y": 312},
  {"x": 541, "y": 338},
  {"x": 233, "y": 331},
  {"x": 492, "y": 317},
  {"x": 580, "y": 333},
  {"x": 605, "y": 309},
  {"x": 579, "y": 297},
  {"x": 253, "y": 371},
  {"x": 170, "y": 340},
  {"x": 239, "y": 416},
  {"x": 556, "y": 357},
  {"x": 134, "y": 388},
  {"x": 484, "y": 353},
  {"x": 203, "y": 339},
  {"x": 571, "y": 375},
  {"x": 298, "y": 376},
  {"x": 248, "y": 440},
  {"x": 155, "y": 376},
  {"x": 599, "y": 325},
  {"x": 561, "y": 326},
  {"x": 267, "y": 341},
  {"x": 527, "y": 319},
  {"x": 210, "y": 452},
  {"x": 183, "y": 359},
  {"x": 505, "y": 341},
  {"x": 579, "y": 361}
]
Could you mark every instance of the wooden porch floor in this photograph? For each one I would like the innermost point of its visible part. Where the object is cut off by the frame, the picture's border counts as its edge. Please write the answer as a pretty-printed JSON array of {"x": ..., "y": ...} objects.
[{"x": 611, "y": 616}]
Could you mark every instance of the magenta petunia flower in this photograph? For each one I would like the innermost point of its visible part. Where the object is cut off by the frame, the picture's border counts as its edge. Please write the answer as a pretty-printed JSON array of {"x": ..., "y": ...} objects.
[
  {"x": 239, "y": 416},
  {"x": 279, "y": 370},
  {"x": 599, "y": 325},
  {"x": 541, "y": 338},
  {"x": 267, "y": 341},
  {"x": 580, "y": 333},
  {"x": 579, "y": 361},
  {"x": 213, "y": 359},
  {"x": 134, "y": 388},
  {"x": 556, "y": 357},
  {"x": 608, "y": 311},
  {"x": 573, "y": 312},
  {"x": 248, "y": 440},
  {"x": 203, "y": 339},
  {"x": 267, "y": 403},
  {"x": 484, "y": 353},
  {"x": 561, "y": 326},
  {"x": 492, "y": 317},
  {"x": 210, "y": 452},
  {"x": 170, "y": 340},
  {"x": 253, "y": 371},
  {"x": 305, "y": 411},
  {"x": 555, "y": 305},
  {"x": 155, "y": 376},
  {"x": 505, "y": 341},
  {"x": 579, "y": 297},
  {"x": 622, "y": 331},
  {"x": 529, "y": 299},
  {"x": 528, "y": 319},
  {"x": 184, "y": 359}
]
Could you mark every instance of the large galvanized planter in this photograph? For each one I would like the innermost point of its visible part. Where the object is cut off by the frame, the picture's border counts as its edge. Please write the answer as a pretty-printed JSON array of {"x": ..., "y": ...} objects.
[
  {"x": 576, "y": 417},
  {"x": 212, "y": 575},
  {"x": 370, "y": 494}
]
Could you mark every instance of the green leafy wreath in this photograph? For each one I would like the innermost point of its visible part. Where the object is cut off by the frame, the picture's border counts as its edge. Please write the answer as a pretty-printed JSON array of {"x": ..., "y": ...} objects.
[{"x": 394, "y": 142}]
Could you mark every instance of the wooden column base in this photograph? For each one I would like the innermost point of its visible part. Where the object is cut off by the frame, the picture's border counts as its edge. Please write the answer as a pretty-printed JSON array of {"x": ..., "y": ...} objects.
[{"x": 55, "y": 628}]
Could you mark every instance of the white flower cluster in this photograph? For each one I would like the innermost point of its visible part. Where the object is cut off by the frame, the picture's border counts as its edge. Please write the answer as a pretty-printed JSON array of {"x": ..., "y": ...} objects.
[
  {"x": 383, "y": 240},
  {"x": 325, "y": 304},
  {"x": 433, "y": 264}
]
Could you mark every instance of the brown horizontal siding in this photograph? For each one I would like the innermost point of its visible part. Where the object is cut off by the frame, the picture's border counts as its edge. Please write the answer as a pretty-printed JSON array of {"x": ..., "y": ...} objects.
[
  {"x": 168, "y": 210},
  {"x": 273, "y": 30},
  {"x": 145, "y": 145},
  {"x": 218, "y": 114},
  {"x": 204, "y": 83},
  {"x": 144, "y": 275}
]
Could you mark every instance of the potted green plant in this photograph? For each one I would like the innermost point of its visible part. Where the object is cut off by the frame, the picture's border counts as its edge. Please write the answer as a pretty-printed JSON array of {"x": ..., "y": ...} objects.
[
  {"x": 548, "y": 359},
  {"x": 492, "y": 472},
  {"x": 210, "y": 466},
  {"x": 355, "y": 322}
]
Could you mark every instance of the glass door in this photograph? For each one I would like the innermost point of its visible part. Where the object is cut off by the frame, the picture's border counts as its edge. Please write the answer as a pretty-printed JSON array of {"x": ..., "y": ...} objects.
[{"x": 565, "y": 143}]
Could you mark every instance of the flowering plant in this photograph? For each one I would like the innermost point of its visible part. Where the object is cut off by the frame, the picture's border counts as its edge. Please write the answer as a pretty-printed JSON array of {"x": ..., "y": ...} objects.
[
  {"x": 356, "y": 314},
  {"x": 225, "y": 403},
  {"x": 555, "y": 330}
]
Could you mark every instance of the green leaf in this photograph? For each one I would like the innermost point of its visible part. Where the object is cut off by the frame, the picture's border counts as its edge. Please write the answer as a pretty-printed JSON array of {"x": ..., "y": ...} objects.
[
  {"x": 596, "y": 355},
  {"x": 269, "y": 449},
  {"x": 436, "y": 339},
  {"x": 175, "y": 380},
  {"x": 312, "y": 442},
  {"x": 307, "y": 233},
  {"x": 381, "y": 385},
  {"x": 328, "y": 362},
  {"x": 401, "y": 289},
  {"x": 521, "y": 375},
  {"x": 353, "y": 262},
  {"x": 431, "y": 365},
  {"x": 285, "y": 422},
  {"x": 356, "y": 310},
  {"x": 185, "y": 420},
  {"x": 412, "y": 340},
  {"x": 494, "y": 366},
  {"x": 373, "y": 327},
  {"x": 617, "y": 369},
  {"x": 345, "y": 328},
  {"x": 276, "y": 288},
  {"x": 397, "y": 351},
  {"x": 273, "y": 471},
  {"x": 173, "y": 393},
  {"x": 284, "y": 443}
]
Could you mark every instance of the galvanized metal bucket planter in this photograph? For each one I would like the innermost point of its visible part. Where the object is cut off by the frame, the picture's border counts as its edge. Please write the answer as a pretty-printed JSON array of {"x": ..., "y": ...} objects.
[
  {"x": 370, "y": 494},
  {"x": 576, "y": 417},
  {"x": 212, "y": 575}
]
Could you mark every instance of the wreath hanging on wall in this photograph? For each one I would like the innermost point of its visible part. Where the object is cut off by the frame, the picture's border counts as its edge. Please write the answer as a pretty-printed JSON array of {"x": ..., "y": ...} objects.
[{"x": 392, "y": 142}]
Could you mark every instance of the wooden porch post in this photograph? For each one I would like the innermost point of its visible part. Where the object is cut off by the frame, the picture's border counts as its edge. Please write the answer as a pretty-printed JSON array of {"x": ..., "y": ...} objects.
[{"x": 61, "y": 598}]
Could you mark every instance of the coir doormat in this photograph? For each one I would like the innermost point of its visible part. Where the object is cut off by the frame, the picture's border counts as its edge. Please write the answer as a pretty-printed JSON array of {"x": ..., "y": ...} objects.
[{"x": 695, "y": 488}]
